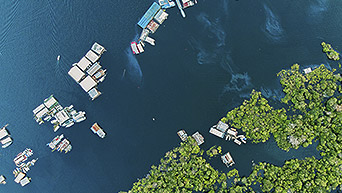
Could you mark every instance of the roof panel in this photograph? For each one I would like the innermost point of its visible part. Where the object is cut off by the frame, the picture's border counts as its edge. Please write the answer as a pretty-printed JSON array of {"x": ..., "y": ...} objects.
[
  {"x": 88, "y": 83},
  {"x": 148, "y": 16},
  {"x": 76, "y": 73}
]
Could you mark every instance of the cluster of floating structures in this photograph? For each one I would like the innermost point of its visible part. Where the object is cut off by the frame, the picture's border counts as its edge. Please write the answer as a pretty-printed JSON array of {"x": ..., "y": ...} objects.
[
  {"x": 22, "y": 167},
  {"x": 51, "y": 109},
  {"x": 197, "y": 136},
  {"x": 60, "y": 144},
  {"x": 153, "y": 18},
  {"x": 222, "y": 130},
  {"x": 5, "y": 137},
  {"x": 88, "y": 72},
  {"x": 95, "y": 128}
]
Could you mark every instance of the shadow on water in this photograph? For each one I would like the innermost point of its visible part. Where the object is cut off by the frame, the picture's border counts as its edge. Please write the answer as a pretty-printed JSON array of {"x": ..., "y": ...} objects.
[
  {"x": 272, "y": 27},
  {"x": 133, "y": 68}
]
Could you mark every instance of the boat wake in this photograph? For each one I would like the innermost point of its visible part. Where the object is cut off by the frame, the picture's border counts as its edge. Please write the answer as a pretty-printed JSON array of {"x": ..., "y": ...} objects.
[
  {"x": 133, "y": 68},
  {"x": 272, "y": 27}
]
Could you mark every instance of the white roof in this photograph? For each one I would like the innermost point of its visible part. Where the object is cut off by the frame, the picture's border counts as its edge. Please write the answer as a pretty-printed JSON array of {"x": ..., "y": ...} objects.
[
  {"x": 92, "y": 56},
  {"x": 307, "y": 70},
  {"x": 24, "y": 181},
  {"x": 20, "y": 176},
  {"x": 50, "y": 101},
  {"x": 42, "y": 112},
  {"x": 216, "y": 132},
  {"x": 222, "y": 126},
  {"x": 36, "y": 110},
  {"x": 88, "y": 83},
  {"x": 62, "y": 116},
  {"x": 3, "y": 133},
  {"x": 76, "y": 73},
  {"x": 83, "y": 63}
]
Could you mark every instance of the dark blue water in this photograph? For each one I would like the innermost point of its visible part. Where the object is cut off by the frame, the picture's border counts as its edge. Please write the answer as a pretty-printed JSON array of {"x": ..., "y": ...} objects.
[{"x": 200, "y": 67}]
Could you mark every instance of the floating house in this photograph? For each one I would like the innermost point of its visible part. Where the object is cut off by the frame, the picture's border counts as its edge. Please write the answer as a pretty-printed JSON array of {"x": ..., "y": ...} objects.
[
  {"x": 227, "y": 160},
  {"x": 5, "y": 137},
  {"x": 199, "y": 138},
  {"x": 88, "y": 72},
  {"x": 307, "y": 70},
  {"x": 183, "y": 135},
  {"x": 148, "y": 16},
  {"x": 51, "y": 109},
  {"x": 26, "y": 180},
  {"x": 219, "y": 129}
]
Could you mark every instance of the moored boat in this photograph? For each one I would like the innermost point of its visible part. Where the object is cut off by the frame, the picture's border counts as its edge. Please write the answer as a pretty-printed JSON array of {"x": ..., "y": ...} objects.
[
  {"x": 2, "y": 179},
  {"x": 98, "y": 130}
]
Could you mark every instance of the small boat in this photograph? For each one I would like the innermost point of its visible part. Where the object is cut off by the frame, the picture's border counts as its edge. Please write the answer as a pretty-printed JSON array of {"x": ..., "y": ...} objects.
[
  {"x": 237, "y": 141},
  {"x": 2, "y": 179},
  {"x": 98, "y": 130},
  {"x": 6, "y": 142},
  {"x": 134, "y": 48},
  {"x": 58, "y": 57}
]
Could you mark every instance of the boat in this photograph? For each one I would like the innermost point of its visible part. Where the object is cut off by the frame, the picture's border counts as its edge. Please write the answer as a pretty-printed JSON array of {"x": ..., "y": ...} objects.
[
  {"x": 22, "y": 156},
  {"x": 6, "y": 142},
  {"x": 227, "y": 160},
  {"x": 55, "y": 128},
  {"x": 68, "y": 148},
  {"x": 2, "y": 179},
  {"x": 237, "y": 141},
  {"x": 134, "y": 48},
  {"x": 55, "y": 141},
  {"x": 98, "y": 130},
  {"x": 187, "y": 3},
  {"x": 179, "y": 5},
  {"x": 242, "y": 138},
  {"x": 140, "y": 48},
  {"x": 58, "y": 57},
  {"x": 198, "y": 138},
  {"x": 183, "y": 135},
  {"x": 19, "y": 177}
]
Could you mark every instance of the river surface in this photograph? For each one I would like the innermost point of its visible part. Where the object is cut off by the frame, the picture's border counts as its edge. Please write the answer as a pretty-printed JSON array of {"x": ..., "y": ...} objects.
[{"x": 201, "y": 67}]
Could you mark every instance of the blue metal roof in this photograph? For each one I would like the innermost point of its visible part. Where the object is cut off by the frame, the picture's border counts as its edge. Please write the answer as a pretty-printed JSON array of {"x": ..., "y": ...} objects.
[{"x": 148, "y": 16}]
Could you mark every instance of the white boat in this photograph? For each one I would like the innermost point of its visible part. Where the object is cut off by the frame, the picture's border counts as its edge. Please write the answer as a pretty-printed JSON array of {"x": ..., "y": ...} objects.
[
  {"x": 2, "y": 179},
  {"x": 22, "y": 156},
  {"x": 69, "y": 124},
  {"x": 55, "y": 128},
  {"x": 6, "y": 142},
  {"x": 180, "y": 8},
  {"x": 237, "y": 141},
  {"x": 58, "y": 57},
  {"x": 98, "y": 130},
  {"x": 55, "y": 141}
]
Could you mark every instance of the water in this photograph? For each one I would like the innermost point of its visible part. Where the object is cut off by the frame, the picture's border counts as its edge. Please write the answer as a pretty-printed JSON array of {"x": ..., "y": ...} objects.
[{"x": 200, "y": 67}]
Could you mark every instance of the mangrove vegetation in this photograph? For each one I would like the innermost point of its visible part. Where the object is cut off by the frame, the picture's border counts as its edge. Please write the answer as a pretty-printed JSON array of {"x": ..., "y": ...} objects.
[
  {"x": 311, "y": 111},
  {"x": 330, "y": 52}
]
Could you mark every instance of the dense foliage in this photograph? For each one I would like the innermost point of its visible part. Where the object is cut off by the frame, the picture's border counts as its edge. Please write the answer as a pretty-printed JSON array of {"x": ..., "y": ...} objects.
[
  {"x": 183, "y": 169},
  {"x": 331, "y": 53},
  {"x": 314, "y": 113}
]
